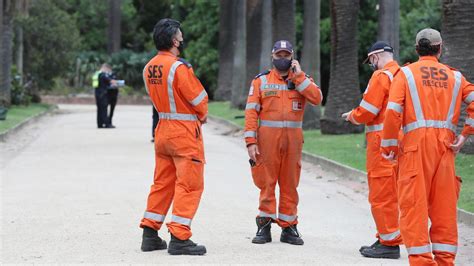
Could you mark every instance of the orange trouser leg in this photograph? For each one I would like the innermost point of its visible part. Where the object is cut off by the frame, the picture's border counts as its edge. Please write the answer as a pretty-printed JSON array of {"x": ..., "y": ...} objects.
[
  {"x": 289, "y": 177},
  {"x": 265, "y": 173},
  {"x": 189, "y": 162},
  {"x": 382, "y": 193},
  {"x": 413, "y": 202},
  {"x": 161, "y": 193},
  {"x": 442, "y": 212}
]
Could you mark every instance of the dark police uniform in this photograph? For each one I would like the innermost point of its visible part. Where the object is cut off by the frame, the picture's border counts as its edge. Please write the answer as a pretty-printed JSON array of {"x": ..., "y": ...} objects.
[
  {"x": 112, "y": 95},
  {"x": 102, "y": 99}
]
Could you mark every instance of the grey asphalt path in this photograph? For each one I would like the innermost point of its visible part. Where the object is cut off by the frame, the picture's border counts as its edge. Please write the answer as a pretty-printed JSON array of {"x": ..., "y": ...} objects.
[{"x": 74, "y": 194}]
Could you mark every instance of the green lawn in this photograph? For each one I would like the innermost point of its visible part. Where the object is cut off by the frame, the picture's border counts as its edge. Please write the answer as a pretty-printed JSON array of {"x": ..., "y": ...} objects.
[
  {"x": 349, "y": 150},
  {"x": 18, "y": 114}
]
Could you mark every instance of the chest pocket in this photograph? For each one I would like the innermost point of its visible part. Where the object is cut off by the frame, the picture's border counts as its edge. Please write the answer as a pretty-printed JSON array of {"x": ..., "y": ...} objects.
[
  {"x": 296, "y": 101},
  {"x": 271, "y": 98}
]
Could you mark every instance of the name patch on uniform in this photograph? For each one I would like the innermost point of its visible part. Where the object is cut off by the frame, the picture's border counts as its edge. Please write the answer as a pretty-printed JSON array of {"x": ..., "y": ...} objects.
[
  {"x": 297, "y": 106},
  {"x": 270, "y": 93}
]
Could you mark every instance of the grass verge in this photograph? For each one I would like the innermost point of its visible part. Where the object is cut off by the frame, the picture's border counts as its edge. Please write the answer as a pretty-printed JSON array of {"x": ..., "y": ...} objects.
[
  {"x": 17, "y": 114},
  {"x": 349, "y": 150}
]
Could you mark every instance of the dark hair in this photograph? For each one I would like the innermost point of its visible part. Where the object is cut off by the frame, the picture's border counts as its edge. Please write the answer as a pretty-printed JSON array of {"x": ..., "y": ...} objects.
[
  {"x": 164, "y": 32},
  {"x": 424, "y": 48}
]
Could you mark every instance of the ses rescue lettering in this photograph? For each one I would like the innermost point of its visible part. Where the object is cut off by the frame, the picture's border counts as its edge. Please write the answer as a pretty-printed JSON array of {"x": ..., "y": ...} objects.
[
  {"x": 432, "y": 77},
  {"x": 155, "y": 74}
]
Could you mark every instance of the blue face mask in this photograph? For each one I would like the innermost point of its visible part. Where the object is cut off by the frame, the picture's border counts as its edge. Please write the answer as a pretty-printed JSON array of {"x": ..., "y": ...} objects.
[{"x": 282, "y": 64}]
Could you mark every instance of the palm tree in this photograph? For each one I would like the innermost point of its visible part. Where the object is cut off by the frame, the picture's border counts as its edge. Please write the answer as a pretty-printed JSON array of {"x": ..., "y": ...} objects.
[
  {"x": 254, "y": 41},
  {"x": 389, "y": 24},
  {"x": 6, "y": 53},
  {"x": 311, "y": 57},
  {"x": 266, "y": 39},
  {"x": 457, "y": 47},
  {"x": 239, "y": 87},
  {"x": 114, "y": 26},
  {"x": 344, "y": 92},
  {"x": 283, "y": 17},
  {"x": 226, "y": 51}
]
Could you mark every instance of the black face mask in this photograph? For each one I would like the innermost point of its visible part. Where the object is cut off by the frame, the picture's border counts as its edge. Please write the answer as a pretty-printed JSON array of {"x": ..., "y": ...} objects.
[
  {"x": 282, "y": 64},
  {"x": 181, "y": 47}
]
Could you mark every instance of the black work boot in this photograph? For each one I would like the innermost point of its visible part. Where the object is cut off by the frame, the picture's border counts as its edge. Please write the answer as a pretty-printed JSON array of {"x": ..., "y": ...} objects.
[
  {"x": 379, "y": 251},
  {"x": 290, "y": 235},
  {"x": 185, "y": 247},
  {"x": 264, "y": 224},
  {"x": 151, "y": 241}
]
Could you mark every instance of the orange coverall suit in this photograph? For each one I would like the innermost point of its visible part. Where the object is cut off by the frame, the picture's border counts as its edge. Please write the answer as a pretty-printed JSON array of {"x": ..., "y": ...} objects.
[
  {"x": 273, "y": 121},
  {"x": 381, "y": 173},
  {"x": 425, "y": 98},
  {"x": 181, "y": 102}
]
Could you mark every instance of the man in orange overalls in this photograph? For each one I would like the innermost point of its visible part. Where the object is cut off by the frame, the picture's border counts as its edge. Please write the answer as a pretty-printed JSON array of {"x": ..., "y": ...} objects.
[
  {"x": 381, "y": 173},
  {"x": 181, "y": 102},
  {"x": 274, "y": 137},
  {"x": 425, "y": 98}
]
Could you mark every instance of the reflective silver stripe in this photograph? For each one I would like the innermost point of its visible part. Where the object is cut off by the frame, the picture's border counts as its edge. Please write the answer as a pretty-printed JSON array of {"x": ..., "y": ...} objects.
[
  {"x": 389, "y": 74},
  {"x": 181, "y": 220},
  {"x": 391, "y": 236},
  {"x": 373, "y": 128},
  {"x": 281, "y": 124},
  {"x": 170, "y": 85},
  {"x": 395, "y": 106},
  {"x": 154, "y": 216},
  {"x": 264, "y": 214},
  {"x": 444, "y": 247},
  {"x": 263, "y": 82},
  {"x": 303, "y": 85},
  {"x": 250, "y": 134},
  {"x": 470, "y": 122},
  {"x": 185, "y": 117},
  {"x": 470, "y": 98},
  {"x": 251, "y": 106},
  {"x": 369, "y": 107},
  {"x": 287, "y": 218},
  {"x": 413, "y": 93},
  {"x": 281, "y": 87},
  {"x": 419, "y": 250},
  {"x": 429, "y": 123},
  {"x": 199, "y": 98},
  {"x": 389, "y": 142},
  {"x": 457, "y": 85}
]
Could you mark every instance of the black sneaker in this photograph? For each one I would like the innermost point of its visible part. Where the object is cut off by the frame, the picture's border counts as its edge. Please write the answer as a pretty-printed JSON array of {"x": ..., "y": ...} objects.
[
  {"x": 379, "y": 251},
  {"x": 371, "y": 246},
  {"x": 291, "y": 235},
  {"x": 185, "y": 247},
  {"x": 264, "y": 224},
  {"x": 151, "y": 241}
]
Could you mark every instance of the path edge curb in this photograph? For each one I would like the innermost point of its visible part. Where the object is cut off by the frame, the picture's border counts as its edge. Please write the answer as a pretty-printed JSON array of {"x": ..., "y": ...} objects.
[
  {"x": 339, "y": 169},
  {"x": 5, "y": 135}
]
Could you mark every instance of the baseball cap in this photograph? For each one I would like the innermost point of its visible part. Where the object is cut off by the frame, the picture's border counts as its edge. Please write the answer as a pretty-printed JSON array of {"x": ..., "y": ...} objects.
[
  {"x": 378, "y": 47},
  {"x": 431, "y": 35},
  {"x": 282, "y": 45}
]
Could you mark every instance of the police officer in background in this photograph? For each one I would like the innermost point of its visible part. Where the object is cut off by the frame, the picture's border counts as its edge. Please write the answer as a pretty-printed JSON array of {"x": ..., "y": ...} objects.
[
  {"x": 105, "y": 80},
  {"x": 112, "y": 96}
]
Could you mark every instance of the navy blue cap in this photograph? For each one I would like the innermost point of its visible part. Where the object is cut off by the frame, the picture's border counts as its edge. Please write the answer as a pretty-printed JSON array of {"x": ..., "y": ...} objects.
[
  {"x": 282, "y": 45},
  {"x": 376, "y": 48}
]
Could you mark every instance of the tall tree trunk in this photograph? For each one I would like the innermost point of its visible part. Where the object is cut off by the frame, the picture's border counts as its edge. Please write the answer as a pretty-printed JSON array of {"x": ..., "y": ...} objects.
[
  {"x": 226, "y": 51},
  {"x": 266, "y": 39},
  {"x": 344, "y": 91},
  {"x": 311, "y": 57},
  {"x": 283, "y": 17},
  {"x": 254, "y": 40},
  {"x": 6, "y": 53},
  {"x": 114, "y": 26},
  {"x": 389, "y": 24},
  {"x": 239, "y": 87},
  {"x": 21, "y": 7},
  {"x": 457, "y": 47}
]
